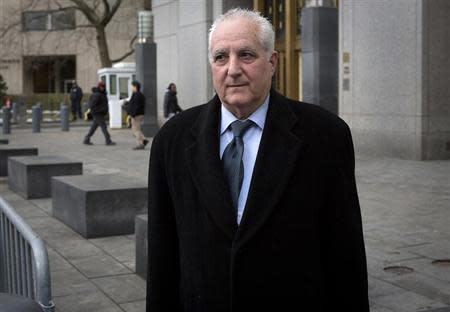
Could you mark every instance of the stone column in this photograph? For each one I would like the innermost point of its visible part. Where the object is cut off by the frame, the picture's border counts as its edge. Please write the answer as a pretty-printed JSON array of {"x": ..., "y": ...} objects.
[
  {"x": 320, "y": 56},
  {"x": 146, "y": 75},
  {"x": 394, "y": 77}
]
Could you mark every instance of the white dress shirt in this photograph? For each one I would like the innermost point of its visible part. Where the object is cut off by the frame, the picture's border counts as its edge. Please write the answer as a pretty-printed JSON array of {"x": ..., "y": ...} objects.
[{"x": 252, "y": 138}]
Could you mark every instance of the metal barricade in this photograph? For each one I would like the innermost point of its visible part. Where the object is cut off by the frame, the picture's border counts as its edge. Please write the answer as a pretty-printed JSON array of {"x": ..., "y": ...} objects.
[{"x": 24, "y": 266}]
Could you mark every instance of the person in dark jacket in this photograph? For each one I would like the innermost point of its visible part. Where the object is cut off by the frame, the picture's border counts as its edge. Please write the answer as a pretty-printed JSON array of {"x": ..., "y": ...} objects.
[
  {"x": 136, "y": 111},
  {"x": 76, "y": 94},
  {"x": 252, "y": 200},
  {"x": 171, "y": 107},
  {"x": 98, "y": 104}
]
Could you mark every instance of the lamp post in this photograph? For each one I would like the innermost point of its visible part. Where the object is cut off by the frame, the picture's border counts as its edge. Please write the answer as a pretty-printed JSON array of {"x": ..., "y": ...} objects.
[{"x": 145, "y": 53}]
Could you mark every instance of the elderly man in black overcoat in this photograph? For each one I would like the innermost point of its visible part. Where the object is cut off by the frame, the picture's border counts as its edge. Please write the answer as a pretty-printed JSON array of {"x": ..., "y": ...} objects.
[{"x": 253, "y": 203}]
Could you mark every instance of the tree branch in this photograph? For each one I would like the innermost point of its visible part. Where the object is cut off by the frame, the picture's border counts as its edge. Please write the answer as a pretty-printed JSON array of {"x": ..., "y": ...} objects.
[
  {"x": 107, "y": 8},
  {"x": 107, "y": 18},
  {"x": 8, "y": 28},
  {"x": 87, "y": 11},
  {"x": 127, "y": 53}
]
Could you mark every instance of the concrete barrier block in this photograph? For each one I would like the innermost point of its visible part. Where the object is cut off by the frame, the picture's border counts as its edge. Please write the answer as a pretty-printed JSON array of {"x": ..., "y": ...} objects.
[
  {"x": 7, "y": 151},
  {"x": 98, "y": 205},
  {"x": 141, "y": 233},
  {"x": 30, "y": 176}
]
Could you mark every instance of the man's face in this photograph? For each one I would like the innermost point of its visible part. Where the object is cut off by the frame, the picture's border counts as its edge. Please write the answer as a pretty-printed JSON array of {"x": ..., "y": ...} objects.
[
  {"x": 241, "y": 69},
  {"x": 133, "y": 88}
]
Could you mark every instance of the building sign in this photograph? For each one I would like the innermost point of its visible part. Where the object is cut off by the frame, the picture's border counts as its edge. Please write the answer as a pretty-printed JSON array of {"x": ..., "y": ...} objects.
[
  {"x": 5, "y": 63},
  {"x": 346, "y": 71}
]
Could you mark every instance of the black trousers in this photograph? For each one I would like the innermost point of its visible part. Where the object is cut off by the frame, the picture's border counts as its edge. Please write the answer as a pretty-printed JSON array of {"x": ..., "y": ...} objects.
[
  {"x": 98, "y": 121},
  {"x": 76, "y": 109}
]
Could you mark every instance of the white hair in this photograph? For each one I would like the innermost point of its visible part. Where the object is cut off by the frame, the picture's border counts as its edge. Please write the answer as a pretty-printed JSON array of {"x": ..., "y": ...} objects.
[{"x": 266, "y": 33}]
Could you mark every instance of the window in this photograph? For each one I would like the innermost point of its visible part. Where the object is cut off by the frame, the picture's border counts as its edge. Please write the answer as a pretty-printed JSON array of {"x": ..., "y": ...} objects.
[
  {"x": 63, "y": 19},
  {"x": 113, "y": 84},
  {"x": 268, "y": 12},
  {"x": 35, "y": 21},
  {"x": 48, "y": 20},
  {"x": 280, "y": 26},
  {"x": 123, "y": 87},
  {"x": 103, "y": 79}
]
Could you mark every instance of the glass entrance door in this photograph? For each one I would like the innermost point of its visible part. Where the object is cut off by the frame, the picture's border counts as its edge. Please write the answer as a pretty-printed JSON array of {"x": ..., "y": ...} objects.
[{"x": 285, "y": 18}]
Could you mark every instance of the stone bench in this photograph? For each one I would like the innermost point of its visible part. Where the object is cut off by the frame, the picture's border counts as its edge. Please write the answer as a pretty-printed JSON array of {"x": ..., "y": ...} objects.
[
  {"x": 141, "y": 224},
  {"x": 30, "y": 176},
  {"x": 7, "y": 151},
  {"x": 98, "y": 205},
  {"x": 4, "y": 141}
]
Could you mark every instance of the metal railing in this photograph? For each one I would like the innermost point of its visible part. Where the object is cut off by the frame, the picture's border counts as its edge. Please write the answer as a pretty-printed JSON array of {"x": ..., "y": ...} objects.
[{"x": 24, "y": 266}]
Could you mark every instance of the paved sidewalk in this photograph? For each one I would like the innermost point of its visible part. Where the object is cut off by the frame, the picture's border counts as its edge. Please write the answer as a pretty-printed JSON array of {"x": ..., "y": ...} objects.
[
  {"x": 406, "y": 218},
  {"x": 87, "y": 274}
]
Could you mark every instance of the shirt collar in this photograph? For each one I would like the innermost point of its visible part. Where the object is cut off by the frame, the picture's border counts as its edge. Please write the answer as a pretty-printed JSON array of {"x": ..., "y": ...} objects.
[{"x": 258, "y": 116}]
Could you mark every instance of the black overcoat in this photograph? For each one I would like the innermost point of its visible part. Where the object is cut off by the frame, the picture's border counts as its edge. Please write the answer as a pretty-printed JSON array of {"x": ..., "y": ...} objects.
[
  {"x": 299, "y": 246},
  {"x": 137, "y": 104},
  {"x": 98, "y": 102},
  {"x": 171, "y": 104}
]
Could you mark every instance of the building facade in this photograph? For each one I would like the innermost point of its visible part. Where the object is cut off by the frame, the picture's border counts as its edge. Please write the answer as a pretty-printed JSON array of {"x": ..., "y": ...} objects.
[
  {"x": 46, "y": 44},
  {"x": 394, "y": 76},
  {"x": 392, "y": 57},
  {"x": 181, "y": 33}
]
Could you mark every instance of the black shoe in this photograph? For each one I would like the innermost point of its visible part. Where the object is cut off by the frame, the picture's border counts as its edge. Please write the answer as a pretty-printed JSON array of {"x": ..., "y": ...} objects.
[
  {"x": 110, "y": 143},
  {"x": 87, "y": 142},
  {"x": 139, "y": 147},
  {"x": 145, "y": 142}
]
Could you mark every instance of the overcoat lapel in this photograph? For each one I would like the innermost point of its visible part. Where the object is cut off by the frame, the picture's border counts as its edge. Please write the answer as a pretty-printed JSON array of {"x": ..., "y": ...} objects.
[
  {"x": 205, "y": 167},
  {"x": 274, "y": 165},
  {"x": 277, "y": 157}
]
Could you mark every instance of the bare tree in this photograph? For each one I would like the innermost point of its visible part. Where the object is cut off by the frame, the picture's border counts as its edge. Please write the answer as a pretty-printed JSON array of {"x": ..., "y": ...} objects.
[{"x": 98, "y": 15}]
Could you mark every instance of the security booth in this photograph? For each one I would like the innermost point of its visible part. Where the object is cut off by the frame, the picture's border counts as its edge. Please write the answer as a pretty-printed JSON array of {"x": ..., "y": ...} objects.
[{"x": 117, "y": 80}]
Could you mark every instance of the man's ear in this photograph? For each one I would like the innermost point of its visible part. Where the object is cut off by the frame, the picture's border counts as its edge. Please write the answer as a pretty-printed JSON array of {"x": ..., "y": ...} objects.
[{"x": 273, "y": 60}]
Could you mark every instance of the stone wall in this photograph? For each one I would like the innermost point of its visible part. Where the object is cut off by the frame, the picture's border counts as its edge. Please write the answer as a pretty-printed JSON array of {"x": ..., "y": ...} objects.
[
  {"x": 181, "y": 35},
  {"x": 393, "y": 70}
]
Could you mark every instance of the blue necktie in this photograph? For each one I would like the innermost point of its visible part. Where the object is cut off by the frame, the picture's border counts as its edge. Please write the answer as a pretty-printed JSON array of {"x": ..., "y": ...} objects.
[{"x": 233, "y": 166}]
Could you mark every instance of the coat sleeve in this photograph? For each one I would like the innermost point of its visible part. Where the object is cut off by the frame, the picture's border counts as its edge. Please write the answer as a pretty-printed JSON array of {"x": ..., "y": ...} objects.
[
  {"x": 93, "y": 101},
  {"x": 163, "y": 267},
  {"x": 166, "y": 105},
  {"x": 132, "y": 107},
  {"x": 178, "y": 108},
  {"x": 343, "y": 256}
]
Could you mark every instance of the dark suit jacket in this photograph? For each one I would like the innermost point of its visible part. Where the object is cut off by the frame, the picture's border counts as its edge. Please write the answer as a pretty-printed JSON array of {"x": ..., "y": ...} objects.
[
  {"x": 299, "y": 246},
  {"x": 137, "y": 104}
]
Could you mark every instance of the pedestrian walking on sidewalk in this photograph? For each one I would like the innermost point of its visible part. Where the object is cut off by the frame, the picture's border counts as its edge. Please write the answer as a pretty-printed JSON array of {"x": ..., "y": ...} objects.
[
  {"x": 76, "y": 94},
  {"x": 136, "y": 111},
  {"x": 98, "y": 104},
  {"x": 171, "y": 107}
]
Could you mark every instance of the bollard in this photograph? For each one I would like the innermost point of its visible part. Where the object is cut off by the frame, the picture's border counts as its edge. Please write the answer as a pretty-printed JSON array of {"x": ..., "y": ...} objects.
[
  {"x": 14, "y": 112},
  {"x": 64, "y": 114},
  {"x": 22, "y": 115},
  {"x": 41, "y": 111},
  {"x": 6, "y": 120},
  {"x": 36, "y": 115}
]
